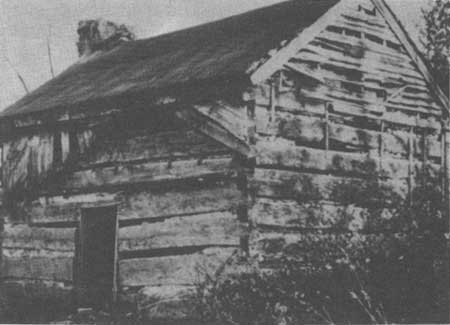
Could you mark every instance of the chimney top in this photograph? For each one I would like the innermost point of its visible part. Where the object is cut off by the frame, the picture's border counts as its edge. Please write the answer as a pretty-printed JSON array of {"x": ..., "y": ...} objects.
[{"x": 98, "y": 35}]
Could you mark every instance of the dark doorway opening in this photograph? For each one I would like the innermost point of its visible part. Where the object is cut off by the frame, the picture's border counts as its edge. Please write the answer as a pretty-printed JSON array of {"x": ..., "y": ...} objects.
[{"x": 97, "y": 257}]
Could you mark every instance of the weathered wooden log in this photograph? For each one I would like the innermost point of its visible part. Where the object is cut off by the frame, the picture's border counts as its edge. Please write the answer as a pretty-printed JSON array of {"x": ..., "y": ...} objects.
[
  {"x": 289, "y": 214},
  {"x": 271, "y": 248},
  {"x": 310, "y": 130},
  {"x": 313, "y": 103},
  {"x": 219, "y": 228},
  {"x": 147, "y": 203},
  {"x": 37, "y": 264},
  {"x": 148, "y": 172},
  {"x": 52, "y": 239},
  {"x": 19, "y": 287},
  {"x": 183, "y": 201},
  {"x": 172, "y": 270},
  {"x": 62, "y": 209},
  {"x": 141, "y": 146},
  {"x": 286, "y": 184},
  {"x": 285, "y": 154}
]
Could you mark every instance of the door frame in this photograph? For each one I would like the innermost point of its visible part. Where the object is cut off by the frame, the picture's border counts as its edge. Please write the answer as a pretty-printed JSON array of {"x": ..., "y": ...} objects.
[{"x": 82, "y": 247}]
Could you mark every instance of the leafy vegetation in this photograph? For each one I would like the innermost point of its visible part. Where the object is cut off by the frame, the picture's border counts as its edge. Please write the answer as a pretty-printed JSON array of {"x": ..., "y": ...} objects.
[
  {"x": 391, "y": 271},
  {"x": 436, "y": 38}
]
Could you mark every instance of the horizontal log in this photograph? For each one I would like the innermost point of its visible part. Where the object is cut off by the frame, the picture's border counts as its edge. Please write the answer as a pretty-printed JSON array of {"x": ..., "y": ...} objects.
[
  {"x": 172, "y": 270},
  {"x": 148, "y": 172},
  {"x": 144, "y": 146},
  {"x": 156, "y": 204},
  {"x": 290, "y": 214},
  {"x": 40, "y": 265},
  {"x": 18, "y": 287},
  {"x": 300, "y": 128},
  {"x": 336, "y": 76},
  {"x": 271, "y": 248},
  {"x": 25, "y": 237},
  {"x": 410, "y": 98},
  {"x": 406, "y": 100},
  {"x": 311, "y": 130},
  {"x": 285, "y": 154},
  {"x": 313, "y": 103},
  {"x": 373, "y": 105},
  {"x": 399, "y": 118},
  {"x": 336, "y": 88},
  {"x": 220, "y": 228},
  {"x": 66, "y": 209},
  {"x": 310, "y": 186},
  {"x": 145, "y": 204}
]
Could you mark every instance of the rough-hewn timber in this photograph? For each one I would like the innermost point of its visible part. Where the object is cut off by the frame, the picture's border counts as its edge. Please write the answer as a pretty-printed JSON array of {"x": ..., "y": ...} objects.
[{"x": 344, "y": 111}]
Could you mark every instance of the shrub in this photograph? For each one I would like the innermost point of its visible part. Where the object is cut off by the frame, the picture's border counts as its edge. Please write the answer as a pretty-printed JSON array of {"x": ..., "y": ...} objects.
[
  {"x": 395, "y": 269},
  {"x": 291, "y": 295}
]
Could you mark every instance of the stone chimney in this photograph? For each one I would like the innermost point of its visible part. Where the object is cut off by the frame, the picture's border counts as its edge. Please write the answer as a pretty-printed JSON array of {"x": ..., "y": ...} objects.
[{"x": 100, "y": 36}]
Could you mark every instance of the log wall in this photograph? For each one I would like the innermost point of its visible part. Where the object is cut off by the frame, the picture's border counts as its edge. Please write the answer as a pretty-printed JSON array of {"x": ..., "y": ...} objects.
[
  {"x": 177, "y": 197},
  {"x": 349, "y": 105}
]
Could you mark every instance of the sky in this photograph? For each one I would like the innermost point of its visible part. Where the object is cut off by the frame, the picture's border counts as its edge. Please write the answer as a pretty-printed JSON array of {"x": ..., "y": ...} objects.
[{"x": 26, "y": 25}]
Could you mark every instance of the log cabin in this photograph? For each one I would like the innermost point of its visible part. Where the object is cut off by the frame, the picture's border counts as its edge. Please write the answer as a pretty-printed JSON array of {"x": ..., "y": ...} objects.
[{"x": 151, "y": 161}]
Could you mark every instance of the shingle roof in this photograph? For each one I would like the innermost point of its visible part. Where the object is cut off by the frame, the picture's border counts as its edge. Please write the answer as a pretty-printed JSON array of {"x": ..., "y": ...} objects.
[{"x": 221, "y": 50}]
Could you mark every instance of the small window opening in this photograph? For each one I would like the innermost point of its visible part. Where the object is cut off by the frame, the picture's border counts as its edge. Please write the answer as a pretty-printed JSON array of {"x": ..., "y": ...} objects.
[
  {"x": 375, "y": 39},
  {"x": 335, "y": 29},
  {"x": 352, "y": 33},
  {"x": 57, "y": 149}
]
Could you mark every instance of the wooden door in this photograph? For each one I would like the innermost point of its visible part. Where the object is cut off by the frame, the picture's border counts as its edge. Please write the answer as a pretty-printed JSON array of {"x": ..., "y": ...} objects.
[{"x": 97, "y": 257}]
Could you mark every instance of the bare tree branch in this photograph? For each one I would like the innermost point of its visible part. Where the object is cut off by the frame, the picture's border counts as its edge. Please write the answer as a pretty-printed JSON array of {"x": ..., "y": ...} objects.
[
  {"x": 19, "y": 76},
  {"x": 49, "y": 51}
]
